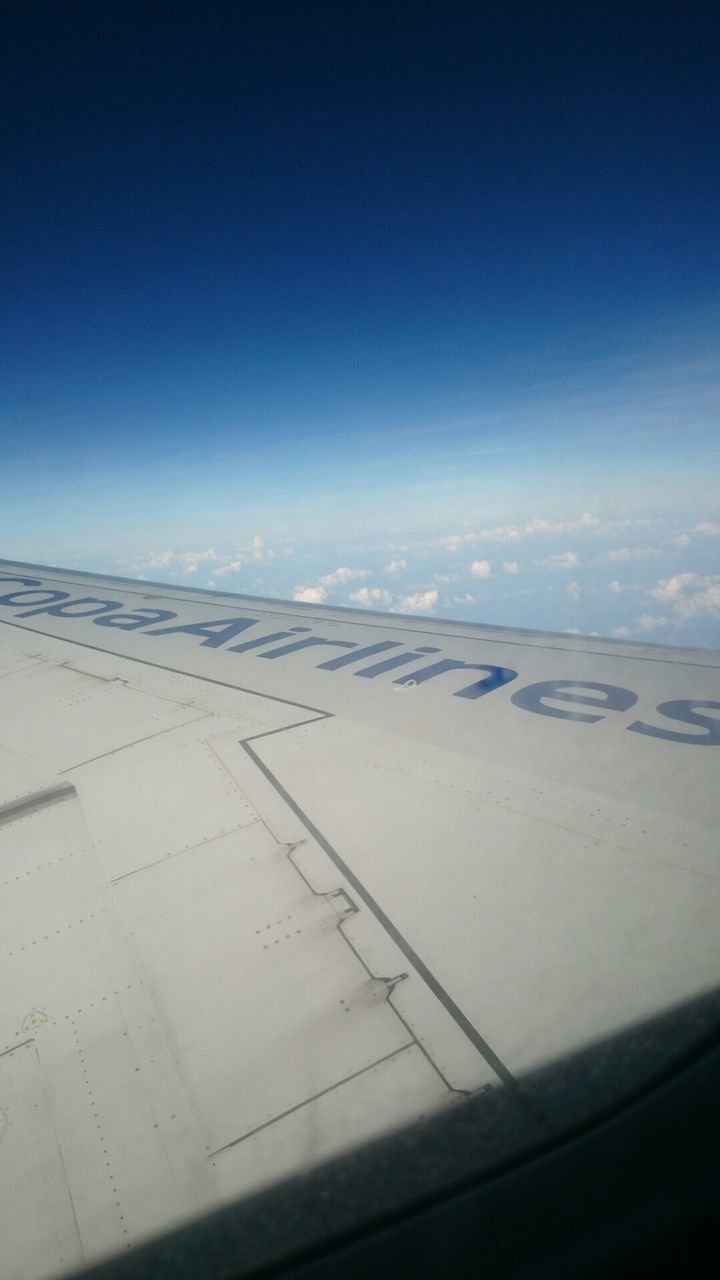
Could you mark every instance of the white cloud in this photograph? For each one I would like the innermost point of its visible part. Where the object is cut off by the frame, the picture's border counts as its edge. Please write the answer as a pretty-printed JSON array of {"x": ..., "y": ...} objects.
[
  {"x": 421, "y": 602},
  {"x": 585, "y": 521},
  {"x": 615, "y": 586},
  {"x": 511, "y": 532},
  {"x": 178, "y": 562},
  {"x": 705, "y": 602},
  {"x": 510, "y": 566},
  {"x": 671, "y": 589},
  {"x": 188, "y": 561},
  {"x": 369, "y": 597},
  {"x": 259, "y": 551},
  {"x": 707, "y": 526},
  {"x": 161, "y": 559},
  {"x": 649, "y": 621},
  {"x": 466, "y": 599},
  {"x": 501, "y": 533},
  {"x": 631, "y": 553},
  {"x": 566, "y": 560},
  {"x": 342, "y": 575},
  {"x": 396, "y": 566},
  {"x": 682, "y": 540},
  {"x": 574, "y": 590},
  {"x": 481, "y": 569},
  {"x": 646, "y": 622},
  {"x": 310, "y": 595},
  {"x": 233, "y": 566},
  {"x": 318, "y": 594},
  {"x": 690, "y": 595}
]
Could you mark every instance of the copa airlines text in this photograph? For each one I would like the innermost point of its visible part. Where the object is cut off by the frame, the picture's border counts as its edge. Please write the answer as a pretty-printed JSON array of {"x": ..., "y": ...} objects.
[{"x": 33, "y": 600}]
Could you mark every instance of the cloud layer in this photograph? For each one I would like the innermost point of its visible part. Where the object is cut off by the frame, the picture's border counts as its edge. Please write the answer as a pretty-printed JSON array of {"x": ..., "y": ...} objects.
[{"x": 665, "y": 583}]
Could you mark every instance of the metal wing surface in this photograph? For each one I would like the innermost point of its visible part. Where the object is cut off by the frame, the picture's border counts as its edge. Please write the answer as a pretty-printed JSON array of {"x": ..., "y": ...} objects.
[{"x": 278, "y": 879}]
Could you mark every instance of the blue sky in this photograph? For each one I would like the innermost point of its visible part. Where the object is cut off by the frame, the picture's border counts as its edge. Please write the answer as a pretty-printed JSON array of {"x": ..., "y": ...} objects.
[{"x": 368, "y": 304}]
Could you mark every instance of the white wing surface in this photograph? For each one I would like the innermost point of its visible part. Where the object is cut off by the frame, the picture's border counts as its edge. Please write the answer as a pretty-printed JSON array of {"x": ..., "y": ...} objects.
[{"x": 278, "y": 878}]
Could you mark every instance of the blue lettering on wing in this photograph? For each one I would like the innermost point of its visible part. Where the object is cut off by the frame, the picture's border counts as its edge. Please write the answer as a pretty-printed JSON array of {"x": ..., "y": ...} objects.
[
  {"x": 683, "y": 711},
  {"x": 25, "y": 582},
  {"x": 306, "y": 644},
  {"x": 496, "y": 676},
  {"x": 613, "y": 698},
  {"x": 62, "y": 610},
  {"x": 258, "y": 641},
  {"x": 19, "y": 598},
  {"x": 216, "y": 632},
  {"x": 132, "y": 621},
  {"x": 34, "y": 599}
]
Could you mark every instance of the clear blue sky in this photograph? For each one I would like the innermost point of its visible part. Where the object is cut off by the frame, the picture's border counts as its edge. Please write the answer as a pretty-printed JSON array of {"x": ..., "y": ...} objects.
[{"x": 358, "y": 280}]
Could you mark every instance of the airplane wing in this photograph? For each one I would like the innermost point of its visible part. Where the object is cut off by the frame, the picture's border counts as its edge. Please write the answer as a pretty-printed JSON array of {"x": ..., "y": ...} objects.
[{"x": 278, "y": 879}]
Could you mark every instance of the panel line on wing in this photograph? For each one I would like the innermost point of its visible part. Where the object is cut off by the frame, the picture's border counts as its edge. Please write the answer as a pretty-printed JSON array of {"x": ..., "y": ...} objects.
[
  {"x": 391, "y": 984},
  {"x": 191, "y": 848},
  {"x": 385, "y": 976},
  {"x": 388, "y": 982},
  {"x": 126, "y": 746},
  {"x": 306, "y": 1101},
  {"x": 163, "y": 666},
  {"x": 462, "y": 1021}
]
